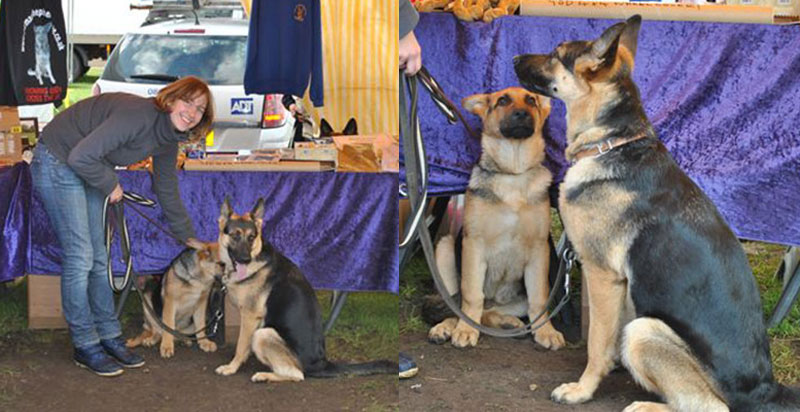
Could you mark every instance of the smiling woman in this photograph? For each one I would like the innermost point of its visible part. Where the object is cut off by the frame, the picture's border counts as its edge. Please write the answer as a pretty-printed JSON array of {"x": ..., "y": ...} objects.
[{"x": 73, "y": 173}]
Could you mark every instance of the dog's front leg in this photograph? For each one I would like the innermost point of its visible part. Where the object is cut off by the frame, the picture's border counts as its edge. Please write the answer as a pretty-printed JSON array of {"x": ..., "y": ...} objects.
[
  {"x": 199, "y": 318},
  {"x": 474, "y": 273},
  {"x": 606, "y": 304},
  {"x": 168, "y": 317},
  {"x": 249, "y": 323},
  {"x": 538, "y": 289}
]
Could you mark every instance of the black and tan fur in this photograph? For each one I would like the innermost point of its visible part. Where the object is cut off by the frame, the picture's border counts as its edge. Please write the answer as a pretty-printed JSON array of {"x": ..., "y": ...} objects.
[
  {"x": 670, "y": 289},
  {"x": 281, "y": 320},
  {"x": 181, "y": 299},
  {"x": 504, "y": 250}
]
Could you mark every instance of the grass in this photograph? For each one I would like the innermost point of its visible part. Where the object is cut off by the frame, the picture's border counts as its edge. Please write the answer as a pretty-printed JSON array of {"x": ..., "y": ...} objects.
[{"x": 415, "y": 283}]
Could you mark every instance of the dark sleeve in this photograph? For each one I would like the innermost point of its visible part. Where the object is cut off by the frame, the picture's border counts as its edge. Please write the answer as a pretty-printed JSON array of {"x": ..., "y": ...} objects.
[
  {"x": 315, "y": 92},
  {"x": 165, "y": 186},
  {"x": 87, "y": 158},
  {"x": 287, "y": 100},
  {"x": 408, "y": 17}
]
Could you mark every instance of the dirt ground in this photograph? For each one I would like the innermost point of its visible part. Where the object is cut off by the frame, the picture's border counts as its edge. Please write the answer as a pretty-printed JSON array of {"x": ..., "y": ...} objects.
[
  {"x": 37, "y": 374},
  {"x": 498, "y": 375}
]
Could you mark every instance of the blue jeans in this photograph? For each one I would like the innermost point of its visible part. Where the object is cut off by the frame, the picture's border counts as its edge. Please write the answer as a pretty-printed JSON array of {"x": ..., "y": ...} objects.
[{"x": 76, "y": 213}]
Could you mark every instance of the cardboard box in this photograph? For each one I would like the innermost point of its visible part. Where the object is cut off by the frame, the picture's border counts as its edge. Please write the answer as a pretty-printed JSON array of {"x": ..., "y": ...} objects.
[
  {"x": 313, "y": 151},
  {"x": 10, "y": 147},
  {"x": 373, "y": 153},
  {"x": 9, "y": 118}
]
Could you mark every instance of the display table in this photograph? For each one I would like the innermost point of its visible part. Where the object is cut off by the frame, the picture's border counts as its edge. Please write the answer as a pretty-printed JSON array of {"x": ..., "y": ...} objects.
[
  {"x": 339, "y": 228},
  {"x": 722, "y": 97}
]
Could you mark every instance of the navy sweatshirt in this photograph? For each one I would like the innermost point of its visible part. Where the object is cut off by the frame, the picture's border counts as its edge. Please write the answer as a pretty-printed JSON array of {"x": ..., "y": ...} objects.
[
  {"x": 284, "y": 49},
  {"x": 118, "y": 129}
]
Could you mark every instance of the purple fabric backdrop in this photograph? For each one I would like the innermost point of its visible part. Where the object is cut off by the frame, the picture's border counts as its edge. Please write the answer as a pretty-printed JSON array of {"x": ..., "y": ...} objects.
[
  {"x": 339, "y": 228},
  {"x": 15, "y": 201},
  {"x": 724, "y": 98}
]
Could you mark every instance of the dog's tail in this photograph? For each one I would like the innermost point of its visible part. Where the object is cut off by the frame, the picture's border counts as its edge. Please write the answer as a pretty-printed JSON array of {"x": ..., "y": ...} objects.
[
  {"x": 785, "y": 399},
  {"x": 332, "y": 370},
  {"x": 434, "y": 309}
]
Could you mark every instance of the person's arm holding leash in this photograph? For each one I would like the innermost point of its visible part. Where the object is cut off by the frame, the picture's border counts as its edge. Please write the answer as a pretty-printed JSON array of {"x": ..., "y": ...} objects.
[{"x": 165, "y": 186}]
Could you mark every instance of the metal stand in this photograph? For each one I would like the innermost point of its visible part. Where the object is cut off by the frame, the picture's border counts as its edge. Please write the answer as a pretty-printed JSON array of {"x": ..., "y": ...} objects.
[
  {"x": 337, "y": 301},
  {"x": 789, "y": 271}
]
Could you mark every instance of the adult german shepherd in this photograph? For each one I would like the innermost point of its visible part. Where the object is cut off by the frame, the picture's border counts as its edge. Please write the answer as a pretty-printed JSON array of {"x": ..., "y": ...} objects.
[
  {"x": 281, "y": 318},
  {"x": 653, "y": 247},
  {"x": 181, "y": 299},
  {"x": 506, "y": 223}
]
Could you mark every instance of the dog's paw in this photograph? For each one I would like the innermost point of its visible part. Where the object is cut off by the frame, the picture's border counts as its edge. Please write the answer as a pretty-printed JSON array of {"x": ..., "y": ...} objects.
[
  {"x": 132, "y": 343},
  {"x": 260, "y": 377},
  {"x": 441, "y": 333},
  {"x": 549, "y": 338},
  {"x": 571, "y": 393},
  {"x": 150, "y": 342},
  {"x": 464, "y": 335},
  {"x": 167, "y": 350},
  {"x": 226, "y": 370},
  {"x": 207, "y": 345},
  {"x": 646, "y": 407}
]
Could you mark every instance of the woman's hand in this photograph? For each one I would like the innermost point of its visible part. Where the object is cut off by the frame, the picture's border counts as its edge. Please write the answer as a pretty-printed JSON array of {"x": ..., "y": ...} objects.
[
  {"x": 410, "y": 54},
  {"x": 116, "y": 194}
]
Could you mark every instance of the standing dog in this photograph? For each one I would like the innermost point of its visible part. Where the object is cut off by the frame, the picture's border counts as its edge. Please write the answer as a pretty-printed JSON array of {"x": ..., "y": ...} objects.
[
  {"x": 181, "y": 299},
  {"x": 652, "y": 245},
  {"x": 506, "y": 223},
  {"x": 281, "y": 318}
]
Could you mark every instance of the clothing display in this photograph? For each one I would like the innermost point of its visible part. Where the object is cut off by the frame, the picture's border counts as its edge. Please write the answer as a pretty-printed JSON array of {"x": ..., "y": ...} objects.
[
  {"x": 33, "y": 61},
  {"x": 284, "y": 49}
]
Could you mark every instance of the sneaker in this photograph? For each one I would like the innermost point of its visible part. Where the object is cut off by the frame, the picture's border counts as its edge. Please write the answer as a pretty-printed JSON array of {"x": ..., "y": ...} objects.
[
  {"x": 408, "y": 368},
  {"x": 96, "y": 360},
  {"x": 117, "y": 349}
]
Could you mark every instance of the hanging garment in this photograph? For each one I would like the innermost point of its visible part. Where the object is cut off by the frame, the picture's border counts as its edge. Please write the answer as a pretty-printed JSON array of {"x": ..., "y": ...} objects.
[
  {"x": 33, "y": 61},
  {"x": 284, "y": 49}
]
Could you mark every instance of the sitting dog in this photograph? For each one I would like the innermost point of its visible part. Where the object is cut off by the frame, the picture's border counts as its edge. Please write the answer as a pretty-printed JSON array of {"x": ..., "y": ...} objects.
[
  {"x": 181, "y": 299},
  {"x": 506, "y": 223},
  {"x": 280, "y": 317},
  {"x": 652, "y": 245}
]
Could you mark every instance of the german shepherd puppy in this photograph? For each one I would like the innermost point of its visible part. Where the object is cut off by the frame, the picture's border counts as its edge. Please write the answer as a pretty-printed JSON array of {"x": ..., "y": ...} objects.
[
  {"x": 652, "y": 245},
  {"x": 281, "y": 318},
  {"x": 181, "y": 299},
  {"x": 506, "y": 223},
  {"x": 350, "y": 129}
]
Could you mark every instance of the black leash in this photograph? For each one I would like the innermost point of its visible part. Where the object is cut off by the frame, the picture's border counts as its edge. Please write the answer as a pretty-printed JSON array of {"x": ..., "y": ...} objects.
[
  {"x": 417, "y": 191},
  {"x": 118, "y": 222}
]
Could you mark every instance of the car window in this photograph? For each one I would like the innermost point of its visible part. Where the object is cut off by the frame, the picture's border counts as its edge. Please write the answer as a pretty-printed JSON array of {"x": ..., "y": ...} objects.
[{"x": 217, "y": 59}]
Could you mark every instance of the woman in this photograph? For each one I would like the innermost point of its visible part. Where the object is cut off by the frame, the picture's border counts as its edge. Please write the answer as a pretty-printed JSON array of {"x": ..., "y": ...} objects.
[{"x": 73, "y": 172}]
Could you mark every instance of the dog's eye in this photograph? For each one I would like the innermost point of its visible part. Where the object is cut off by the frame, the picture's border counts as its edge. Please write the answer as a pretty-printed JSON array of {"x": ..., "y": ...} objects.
[
  {"x": 251, "y": 238},
  {"x": 530, "y": 101},
  {"x": 503, "y": 101}
]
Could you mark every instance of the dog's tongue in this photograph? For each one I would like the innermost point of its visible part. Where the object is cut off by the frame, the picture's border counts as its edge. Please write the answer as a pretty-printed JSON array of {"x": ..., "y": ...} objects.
[{"x": 241, "y": 270}]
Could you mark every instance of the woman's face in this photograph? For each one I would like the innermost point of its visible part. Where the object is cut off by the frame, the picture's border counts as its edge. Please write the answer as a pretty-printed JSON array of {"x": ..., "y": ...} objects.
[{"x": 187, "y": 112}]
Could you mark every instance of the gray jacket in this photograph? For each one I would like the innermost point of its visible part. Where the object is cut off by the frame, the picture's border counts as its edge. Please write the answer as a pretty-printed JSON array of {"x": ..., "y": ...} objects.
[{"x": 118, "y": 129}]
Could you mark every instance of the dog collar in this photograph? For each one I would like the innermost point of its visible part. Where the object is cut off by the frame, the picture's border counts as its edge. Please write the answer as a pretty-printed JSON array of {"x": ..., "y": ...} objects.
[{"x": 605, "y": 146}]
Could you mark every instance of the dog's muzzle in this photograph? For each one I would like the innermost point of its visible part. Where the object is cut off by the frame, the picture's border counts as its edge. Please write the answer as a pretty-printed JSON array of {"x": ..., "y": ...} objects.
[
  {"x": 517, "y": 125},
  {"x": 528, "y": 70}
]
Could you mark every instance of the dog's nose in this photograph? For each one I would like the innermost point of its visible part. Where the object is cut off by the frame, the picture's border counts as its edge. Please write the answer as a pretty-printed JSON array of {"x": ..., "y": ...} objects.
[{"x": 520, "y": 115}]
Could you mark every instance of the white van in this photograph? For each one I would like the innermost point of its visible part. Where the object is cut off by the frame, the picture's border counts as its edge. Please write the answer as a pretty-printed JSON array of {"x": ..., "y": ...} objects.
[{"x": 149, "y": 57}]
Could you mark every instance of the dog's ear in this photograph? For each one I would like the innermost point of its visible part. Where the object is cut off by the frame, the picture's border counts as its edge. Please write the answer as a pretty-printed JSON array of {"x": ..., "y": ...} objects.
[
  {"x": 325, "y": 129},
  {"x": 476, "y": 104},
  {"x": 630, "y": 35},
  {"x": 351, "y": 128},
  {"x": 604, "y": 49},
  {"x": 544, "y": 103},
  {"x": 258, "y": 210},
  {"x": 225, "y": 213}
]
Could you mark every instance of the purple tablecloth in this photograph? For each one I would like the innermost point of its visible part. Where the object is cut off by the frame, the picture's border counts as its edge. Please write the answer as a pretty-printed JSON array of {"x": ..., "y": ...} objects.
[
  {"x": 339, "y": 228},
  {"x": 724, "y": 98}
]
